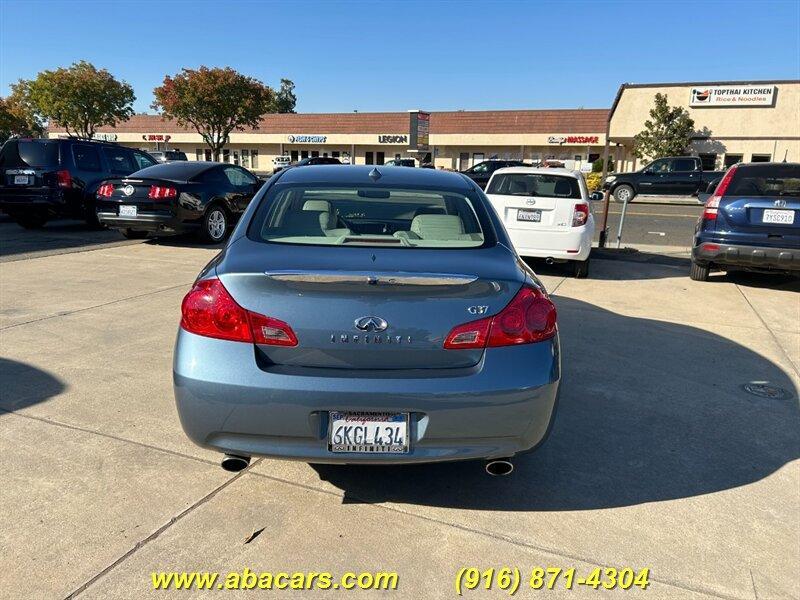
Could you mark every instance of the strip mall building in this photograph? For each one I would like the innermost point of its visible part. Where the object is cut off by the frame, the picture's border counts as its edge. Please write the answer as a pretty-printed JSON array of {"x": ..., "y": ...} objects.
[{"x": 734, "y": 121}]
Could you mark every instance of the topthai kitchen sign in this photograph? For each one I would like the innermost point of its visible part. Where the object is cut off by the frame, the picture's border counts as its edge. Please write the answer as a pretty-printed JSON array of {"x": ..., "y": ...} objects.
[{"x": 733, "y": 95}]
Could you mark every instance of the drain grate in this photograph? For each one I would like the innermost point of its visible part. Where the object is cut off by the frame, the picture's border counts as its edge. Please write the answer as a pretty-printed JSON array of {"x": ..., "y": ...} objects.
[{"x": 764, "y": 390}]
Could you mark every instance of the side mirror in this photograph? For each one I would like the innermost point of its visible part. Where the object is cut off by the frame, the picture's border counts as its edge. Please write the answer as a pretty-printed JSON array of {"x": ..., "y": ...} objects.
[{"x": 596, "y": 196}]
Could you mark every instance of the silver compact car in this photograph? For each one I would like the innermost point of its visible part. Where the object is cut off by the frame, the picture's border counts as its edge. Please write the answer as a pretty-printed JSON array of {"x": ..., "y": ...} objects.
[{"x": 365, "y": 314}]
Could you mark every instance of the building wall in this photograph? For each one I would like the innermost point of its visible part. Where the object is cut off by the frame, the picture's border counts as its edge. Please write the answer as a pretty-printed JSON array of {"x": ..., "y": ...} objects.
[{"x": 722, "y": 130}]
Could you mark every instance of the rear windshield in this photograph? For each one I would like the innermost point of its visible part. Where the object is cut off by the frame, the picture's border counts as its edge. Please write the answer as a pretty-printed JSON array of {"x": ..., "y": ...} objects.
[
  {"x": 534, "y": 184},
  {"x": 766, "y": 180},
  {"x": 176, "y": 156},
  {"x": 31, "y": 153},
  {"x": 374, "y": 216}
]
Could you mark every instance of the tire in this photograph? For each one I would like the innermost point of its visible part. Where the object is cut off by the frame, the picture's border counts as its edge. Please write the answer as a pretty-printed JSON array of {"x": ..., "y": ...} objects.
[
  {"x": 134, "y": 234},
  {"x": 30, "y": 221},
  {"x": 216, "y": 224},
  {"x": 581, "y": 269},
  {"x": 90, "y": 216},
  {"x": 699, "y": 272},
  {"x": 623, "y": 192}
]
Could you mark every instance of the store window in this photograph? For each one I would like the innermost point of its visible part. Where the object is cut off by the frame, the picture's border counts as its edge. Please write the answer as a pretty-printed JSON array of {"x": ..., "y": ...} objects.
[
  {"x": 226, "y": 155},
  {"x": 335, "y": 154},
  {"x": 236, "y": 157},
  {"x": 368, "y": 158},
  {"x": 295, "y": 156},
  {"x": 379, "y": 158},
  {"x": 732, "y": 159},
  {"x": 315, "y": 154},
  {"x": 198, "y": 154},
  {"x": 304, "y": 154},
  {"x": 209, "y": 156},
  {"x": 477, "y": 157},
  {"x": 709, "y": 161},
  {"x": 254, "y": 158},
  {"x": 760, "y": 158}
]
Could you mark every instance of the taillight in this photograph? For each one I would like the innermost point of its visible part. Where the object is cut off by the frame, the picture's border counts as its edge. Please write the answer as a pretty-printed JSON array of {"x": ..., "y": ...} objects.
[
  {"x": 581, "y": 215},
  {"x": 105, "y": 190},
  {"x": 158, "y": 192},
  {"x": 64, "y": 179},
  {"x": 712, "y": 204},
  {"x": 530, "y": 317},
  {"x": 209, "y": 310}
]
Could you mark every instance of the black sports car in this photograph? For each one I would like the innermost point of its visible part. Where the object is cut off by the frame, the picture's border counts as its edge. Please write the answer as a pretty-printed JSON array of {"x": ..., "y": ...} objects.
[{"x": 170, "y": 198}]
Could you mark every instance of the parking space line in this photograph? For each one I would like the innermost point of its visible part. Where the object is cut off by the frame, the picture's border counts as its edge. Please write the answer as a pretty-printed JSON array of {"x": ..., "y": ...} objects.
[{"x": 78, "y": 310}]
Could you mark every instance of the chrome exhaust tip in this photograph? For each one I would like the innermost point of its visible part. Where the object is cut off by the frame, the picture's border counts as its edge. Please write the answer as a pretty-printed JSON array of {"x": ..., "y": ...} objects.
[
  {"x": 234, "y": 463},
  {"x": 498, "y": 467}
]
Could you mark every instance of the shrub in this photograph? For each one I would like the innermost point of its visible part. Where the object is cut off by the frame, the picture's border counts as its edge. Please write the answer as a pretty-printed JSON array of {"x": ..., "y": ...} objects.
[{"x": 594, "y": 181}]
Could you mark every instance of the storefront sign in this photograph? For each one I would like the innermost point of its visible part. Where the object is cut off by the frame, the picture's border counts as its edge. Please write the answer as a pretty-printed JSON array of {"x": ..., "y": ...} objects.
[
  {"x": 419, "y": 131},
  {"x": 307, "y": 139},
  {"x": 106, "y": 137},
  {"x": 156, "y": 137},
  {"x": 733, "y": 95},
  {"x": 573, "y": 139},
  {"x": 392, "y": 139}
]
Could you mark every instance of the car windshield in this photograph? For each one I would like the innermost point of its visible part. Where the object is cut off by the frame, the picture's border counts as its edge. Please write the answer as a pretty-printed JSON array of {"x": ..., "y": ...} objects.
[
  {"x": 766, "y": 180},
  {"x": 374, "y": 216},
  {"x": 534, "y": 184}
]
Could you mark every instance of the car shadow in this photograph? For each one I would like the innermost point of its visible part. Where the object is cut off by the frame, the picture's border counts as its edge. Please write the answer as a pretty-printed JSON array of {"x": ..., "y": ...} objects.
[
  {"x": 24, "y": 385},
  {"x": 62, "y": 234},
  {"x": 649, "y": 411},
  {"x": 184, "y": 240}
]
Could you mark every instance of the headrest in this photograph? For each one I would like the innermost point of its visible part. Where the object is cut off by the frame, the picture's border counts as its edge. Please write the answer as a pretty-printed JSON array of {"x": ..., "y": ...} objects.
[
  {"x": 305, "y": 223},
  {"x": 437, "y": 227},
  {"x": 320, "y": 205}
]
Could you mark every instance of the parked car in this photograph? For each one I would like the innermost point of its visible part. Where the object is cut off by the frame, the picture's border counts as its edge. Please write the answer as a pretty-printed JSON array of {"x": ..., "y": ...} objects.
[
  {"x": 170, "y": 198},
  {"x": 546, "y": 212},
  {"x": 751, "y": 222},
  {"x": 482, "y": 172},
  {"x": 368, "y": 315},
  {"x": 671, "y": 176},
  {"x": 400, "y": 162},
  {"x": 47, "y": 178},
  {"x": 280, "y": 162},
  {"x": 165, "y": 156}
]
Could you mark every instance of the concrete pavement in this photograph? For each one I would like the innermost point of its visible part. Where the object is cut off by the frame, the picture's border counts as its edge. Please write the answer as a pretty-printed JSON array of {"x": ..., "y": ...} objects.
[{"x": 659, "y": 458}]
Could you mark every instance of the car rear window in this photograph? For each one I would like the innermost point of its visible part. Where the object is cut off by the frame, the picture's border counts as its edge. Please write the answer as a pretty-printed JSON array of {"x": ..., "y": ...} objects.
[
  {"x": 30, "y": 153},
  {"x": 534, "y": 184},
  {"x": 766, "y": 180},
  {"x": 373, "y": 216}
]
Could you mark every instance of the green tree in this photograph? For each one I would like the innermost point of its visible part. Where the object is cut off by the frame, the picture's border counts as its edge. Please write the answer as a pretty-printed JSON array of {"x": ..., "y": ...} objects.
[
  {"x": 285, "y": 99},
  {"x": 80, "y": 98},
  {"x": 215, "y": 102},
  {"x": 17, "y": 117},
  {"x": 667, "y": 132}
]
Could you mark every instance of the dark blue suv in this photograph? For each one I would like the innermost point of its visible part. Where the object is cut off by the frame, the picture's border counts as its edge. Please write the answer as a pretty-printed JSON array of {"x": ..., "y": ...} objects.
[
  {"x": 45, "y": 178},
  {"x": 751, "y": 222}
]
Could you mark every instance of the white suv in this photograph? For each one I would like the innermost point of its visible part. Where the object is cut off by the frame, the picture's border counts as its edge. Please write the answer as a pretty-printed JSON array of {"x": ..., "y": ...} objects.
[{"x": 546, "y": 212}]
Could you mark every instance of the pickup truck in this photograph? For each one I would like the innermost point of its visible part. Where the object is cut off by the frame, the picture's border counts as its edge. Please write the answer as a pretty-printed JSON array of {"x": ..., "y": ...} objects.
[{"x": 671, "y": 176}]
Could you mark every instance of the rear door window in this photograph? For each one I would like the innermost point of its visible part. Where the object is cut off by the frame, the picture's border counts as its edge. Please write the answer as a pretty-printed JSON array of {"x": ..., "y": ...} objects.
[
  {"x": 120, "y": 160},
  {"x": 766, "y": 180},
  {"x": 86, "y": 157},
  {"x": 534, "y": 184},
  {"x": 374, "y": 216},
  {"x": 683, "y": 165}
]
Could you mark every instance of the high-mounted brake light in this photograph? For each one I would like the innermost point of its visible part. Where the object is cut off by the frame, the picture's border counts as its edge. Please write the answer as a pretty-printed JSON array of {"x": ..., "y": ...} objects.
[
  {"x": 530, "y": 317},
  {"x": 712, "y": 204},
  {"x": 158, "y": 192},
  {"x": 209, "y": 310},
  {"x": 64, "y": 178},
  {"x": 581, "y": 214},
  {"x": 105, "y": 190}
]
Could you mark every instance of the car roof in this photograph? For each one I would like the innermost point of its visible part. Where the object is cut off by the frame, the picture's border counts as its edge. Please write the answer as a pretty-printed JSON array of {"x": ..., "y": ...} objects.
[
  {"x": 540, "y": 170},
  {"x": 182, "y": 170},
  {"x": 359, "y": 175}
]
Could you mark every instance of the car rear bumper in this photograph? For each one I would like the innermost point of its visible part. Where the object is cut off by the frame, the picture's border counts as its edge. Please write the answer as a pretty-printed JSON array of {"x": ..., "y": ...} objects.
[
  {"x": 756, "y": 257},
  {"x": 502, "y": 406},
  {"x": 571, "y": 244},
  {"x": 16, "y": 200},
  {"x": 143, "y": 222}
]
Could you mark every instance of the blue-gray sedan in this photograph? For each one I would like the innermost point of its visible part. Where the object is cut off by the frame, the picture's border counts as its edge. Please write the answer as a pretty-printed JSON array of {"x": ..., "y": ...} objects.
[{"x": 368, "y": 315}]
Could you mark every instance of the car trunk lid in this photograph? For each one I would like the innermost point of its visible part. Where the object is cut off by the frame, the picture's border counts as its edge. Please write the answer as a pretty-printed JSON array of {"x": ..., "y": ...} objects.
[{"x": 370, "y": 308}]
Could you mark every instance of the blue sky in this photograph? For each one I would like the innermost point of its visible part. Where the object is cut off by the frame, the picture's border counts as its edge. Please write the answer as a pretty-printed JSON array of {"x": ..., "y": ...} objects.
[{"x": 373, "y": 56}]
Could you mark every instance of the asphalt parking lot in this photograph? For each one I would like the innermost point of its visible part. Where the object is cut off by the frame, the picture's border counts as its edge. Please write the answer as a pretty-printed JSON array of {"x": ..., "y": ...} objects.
[{"x": 658, "y": 458}]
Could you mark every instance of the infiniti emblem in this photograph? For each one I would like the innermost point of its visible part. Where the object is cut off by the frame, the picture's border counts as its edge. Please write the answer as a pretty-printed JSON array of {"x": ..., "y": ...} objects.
[
  {"x": 371, "y": 324},
  {"x": 128, "y": 190},
  {"x": 780, "y": 203}
]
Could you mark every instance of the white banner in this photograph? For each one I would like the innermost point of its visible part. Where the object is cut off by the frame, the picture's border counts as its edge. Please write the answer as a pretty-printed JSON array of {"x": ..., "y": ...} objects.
[{"x": 733, "y": 95}]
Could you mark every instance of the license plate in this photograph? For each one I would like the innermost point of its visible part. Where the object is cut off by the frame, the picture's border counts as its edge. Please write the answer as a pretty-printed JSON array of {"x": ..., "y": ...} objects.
[
  {"x": 529, "y": 215},
  {"x": 369, "y": 433},
  {"x": 21, "y": 180},
  {"x": 127, "y": 211},
  {"x": 784, "y": 217}
]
